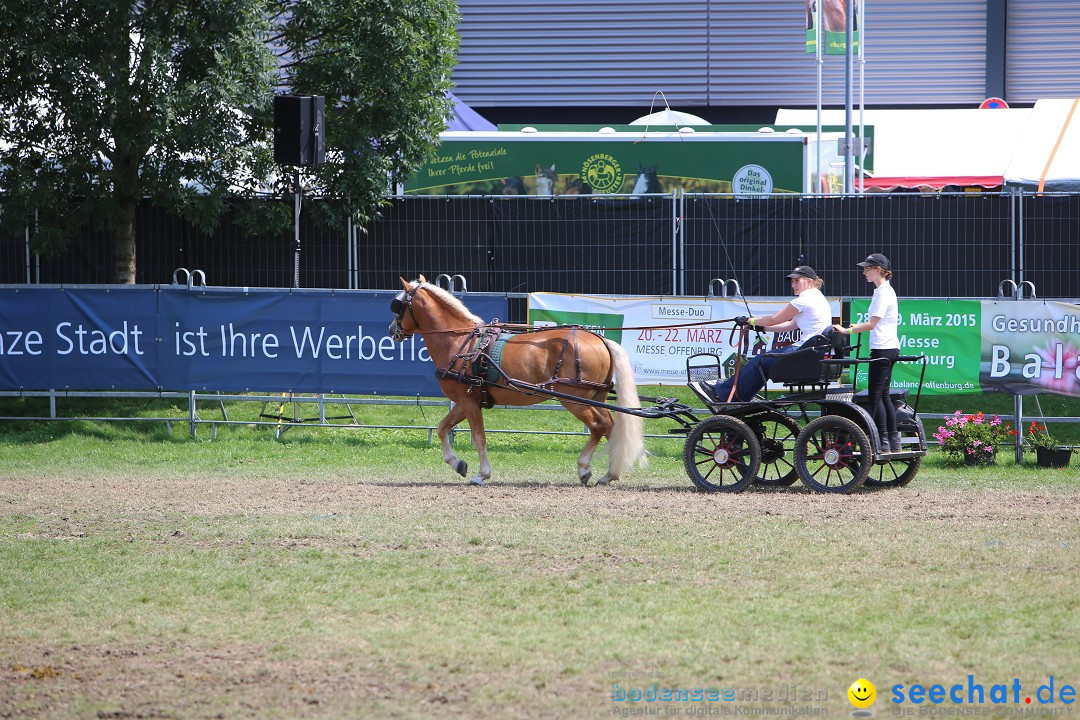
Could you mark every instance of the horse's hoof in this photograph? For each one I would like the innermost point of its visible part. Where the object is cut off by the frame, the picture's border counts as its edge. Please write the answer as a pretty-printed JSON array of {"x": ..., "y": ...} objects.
[
  {"x": 462, "y": 468},
  {"x": 476, "y": 480},
  {"x": 585, "y": 478},
  {"x": 605, "y": 480}
]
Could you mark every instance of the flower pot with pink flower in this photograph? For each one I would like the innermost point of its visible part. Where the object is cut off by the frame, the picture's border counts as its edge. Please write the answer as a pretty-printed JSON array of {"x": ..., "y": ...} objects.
[{"x": 974, "y": 439}]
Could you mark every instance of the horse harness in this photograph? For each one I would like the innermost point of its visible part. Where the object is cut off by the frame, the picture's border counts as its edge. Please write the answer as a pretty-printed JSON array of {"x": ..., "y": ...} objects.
[{"x": 479, "y": 358}]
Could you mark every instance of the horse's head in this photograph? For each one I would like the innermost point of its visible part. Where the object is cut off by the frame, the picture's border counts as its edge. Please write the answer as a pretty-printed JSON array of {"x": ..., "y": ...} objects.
[
  {"x": 545, "y": 179},
  {"x": 404, "y": 324},
  {"x": 439, "y": 310},
  {"x": 513, "y": 186}
]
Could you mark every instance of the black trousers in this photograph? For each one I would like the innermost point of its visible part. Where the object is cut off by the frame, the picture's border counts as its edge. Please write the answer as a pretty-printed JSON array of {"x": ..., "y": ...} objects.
[{"x": 881, "y": 406}]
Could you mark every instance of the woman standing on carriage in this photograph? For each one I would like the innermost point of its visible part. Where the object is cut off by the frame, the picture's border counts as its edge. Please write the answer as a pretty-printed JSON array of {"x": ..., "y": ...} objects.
[
  {"x": 884, "y": 346},
  {"x": 808, "y": 312}
]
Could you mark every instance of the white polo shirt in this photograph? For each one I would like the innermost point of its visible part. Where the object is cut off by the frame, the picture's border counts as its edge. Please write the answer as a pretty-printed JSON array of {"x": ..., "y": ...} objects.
[
  {"x": 885, "y": 306},
  {"x": 814, "y": 316}
]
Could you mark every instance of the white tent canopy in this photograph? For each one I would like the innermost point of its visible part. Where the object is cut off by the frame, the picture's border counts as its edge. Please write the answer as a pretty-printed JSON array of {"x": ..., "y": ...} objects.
[
  {"x": 1047, "y": 156},
  {"x": 670, "y": 117},
  {"x": 914, "y": 148}
]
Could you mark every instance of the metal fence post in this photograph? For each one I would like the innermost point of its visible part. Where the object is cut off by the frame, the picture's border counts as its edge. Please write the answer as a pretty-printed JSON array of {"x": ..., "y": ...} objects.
[
  {"x": 675, "y": 244},
  {"x": 1017, "y": 230},
  {"x": 680, "y": 229},
  {"x": 192, "y": 416}
]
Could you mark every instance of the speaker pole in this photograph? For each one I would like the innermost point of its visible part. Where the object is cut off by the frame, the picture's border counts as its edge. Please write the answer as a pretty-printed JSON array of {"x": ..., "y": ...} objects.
[{"x": 296, "y": 226}]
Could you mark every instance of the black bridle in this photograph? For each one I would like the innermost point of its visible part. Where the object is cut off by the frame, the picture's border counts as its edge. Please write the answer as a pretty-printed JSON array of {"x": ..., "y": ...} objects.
[{"x": 403, "y": 301}]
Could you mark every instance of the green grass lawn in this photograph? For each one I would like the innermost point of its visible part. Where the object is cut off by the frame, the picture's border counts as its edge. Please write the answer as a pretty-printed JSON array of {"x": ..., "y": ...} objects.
[{"x": 348, "y": 572}]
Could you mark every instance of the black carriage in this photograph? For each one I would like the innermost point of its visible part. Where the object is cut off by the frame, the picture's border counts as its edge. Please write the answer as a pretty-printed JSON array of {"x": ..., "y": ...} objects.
[{"x": 816, "y": 430}]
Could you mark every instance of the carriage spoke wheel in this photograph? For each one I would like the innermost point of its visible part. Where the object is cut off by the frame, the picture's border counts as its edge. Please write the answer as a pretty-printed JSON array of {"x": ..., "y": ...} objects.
[
  {"x": 832, "y": 455},
  {"x": 776, "y": 433},
  {"x": 897, "y": 473},
  {"x": 721, "y": 454}
]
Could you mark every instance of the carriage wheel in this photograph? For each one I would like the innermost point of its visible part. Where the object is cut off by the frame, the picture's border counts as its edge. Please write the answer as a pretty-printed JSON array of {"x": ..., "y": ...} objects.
[
  {"x": 897, "y": 473},
  {"x": 721, "y": 454},
  {"x": 776, "y": 433},
  {"x": 832, "y": 455}
]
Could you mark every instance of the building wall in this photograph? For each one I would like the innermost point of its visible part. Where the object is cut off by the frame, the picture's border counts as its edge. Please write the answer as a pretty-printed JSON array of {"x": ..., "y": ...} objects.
[{"x": 751, "y": 53}]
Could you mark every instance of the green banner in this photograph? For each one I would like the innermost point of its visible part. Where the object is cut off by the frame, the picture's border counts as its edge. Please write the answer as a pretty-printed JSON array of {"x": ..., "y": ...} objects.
[
  {"x": 595, "y": 321},
  {"x": 948, "y": 332},
  {"x": 510, "y": 163}
]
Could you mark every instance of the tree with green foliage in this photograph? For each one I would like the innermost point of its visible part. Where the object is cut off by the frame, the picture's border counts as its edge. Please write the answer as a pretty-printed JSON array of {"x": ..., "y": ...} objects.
[{"x": 106, "y": 102}]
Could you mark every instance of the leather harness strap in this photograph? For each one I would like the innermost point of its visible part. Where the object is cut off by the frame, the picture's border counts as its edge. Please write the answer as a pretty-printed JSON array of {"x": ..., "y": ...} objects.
[
  {"x": 477, "y": 362},
  {"x": 742, "y": 346}
]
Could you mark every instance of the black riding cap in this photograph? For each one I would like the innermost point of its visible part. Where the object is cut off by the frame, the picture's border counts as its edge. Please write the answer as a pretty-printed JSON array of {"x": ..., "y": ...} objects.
[
  {"x": 875, "y": 260},
  {"x": 803, "y": 271}
]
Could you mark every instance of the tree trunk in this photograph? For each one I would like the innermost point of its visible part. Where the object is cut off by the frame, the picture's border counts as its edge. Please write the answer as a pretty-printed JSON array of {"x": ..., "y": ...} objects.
[
  {"x": 124, "y": 244},
  {"x": 126, "y": 190}
]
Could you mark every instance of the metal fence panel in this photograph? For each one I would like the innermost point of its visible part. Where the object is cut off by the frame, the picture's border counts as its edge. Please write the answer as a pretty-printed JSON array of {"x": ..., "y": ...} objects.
[
  {"x": 574, "y": 243},
  {"x": 1050, "y": 243},
  {"x": 941, "y": 245},
  {"x": 230, "y": 255}
]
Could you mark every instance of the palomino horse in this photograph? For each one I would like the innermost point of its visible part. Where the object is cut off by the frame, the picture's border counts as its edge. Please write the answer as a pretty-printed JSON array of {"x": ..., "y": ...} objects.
[{"x": 569, "y": 361}]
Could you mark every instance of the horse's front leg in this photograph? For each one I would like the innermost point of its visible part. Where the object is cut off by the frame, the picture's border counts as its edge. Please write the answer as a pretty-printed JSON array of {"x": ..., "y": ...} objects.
[
  {"x": 452, "y": 418},
  {"x": 475, "y": 415}
]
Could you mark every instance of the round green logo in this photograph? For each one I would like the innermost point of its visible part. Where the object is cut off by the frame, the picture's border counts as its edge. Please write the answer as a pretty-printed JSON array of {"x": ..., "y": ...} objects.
[{"x": 603, "y": 173}]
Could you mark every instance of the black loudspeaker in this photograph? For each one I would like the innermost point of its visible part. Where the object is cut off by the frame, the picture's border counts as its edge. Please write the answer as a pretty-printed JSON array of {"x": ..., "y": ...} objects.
[{"x": 299, "y": 130}]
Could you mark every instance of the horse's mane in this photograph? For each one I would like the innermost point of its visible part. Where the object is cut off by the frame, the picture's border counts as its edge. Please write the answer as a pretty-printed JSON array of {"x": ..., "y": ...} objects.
[{"x": 447, "y": 299}]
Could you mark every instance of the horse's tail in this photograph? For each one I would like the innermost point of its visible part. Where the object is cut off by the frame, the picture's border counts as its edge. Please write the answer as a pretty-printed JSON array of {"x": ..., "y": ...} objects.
[{"x": 627, "y": 448}]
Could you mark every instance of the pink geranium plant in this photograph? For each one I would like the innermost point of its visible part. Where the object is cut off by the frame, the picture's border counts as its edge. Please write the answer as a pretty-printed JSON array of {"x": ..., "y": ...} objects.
[{"x": 974, "y": 438}]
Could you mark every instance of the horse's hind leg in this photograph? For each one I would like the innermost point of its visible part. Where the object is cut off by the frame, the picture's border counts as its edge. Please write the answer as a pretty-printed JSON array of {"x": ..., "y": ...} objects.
[
  {"x": 598, "y": 420},
  {"x": 455, "y": 416}
]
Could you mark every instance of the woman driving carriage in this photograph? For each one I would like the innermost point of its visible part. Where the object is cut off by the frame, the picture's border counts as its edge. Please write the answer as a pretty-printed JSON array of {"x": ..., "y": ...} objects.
[{"x": 809, "y": 312}]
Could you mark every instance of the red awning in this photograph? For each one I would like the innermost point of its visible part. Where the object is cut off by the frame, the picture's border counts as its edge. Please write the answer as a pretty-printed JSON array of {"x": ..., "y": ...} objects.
[{"x": 936, "y": 182}]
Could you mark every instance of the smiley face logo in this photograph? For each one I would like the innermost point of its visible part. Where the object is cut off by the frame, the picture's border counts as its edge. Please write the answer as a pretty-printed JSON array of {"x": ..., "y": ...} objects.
[{"x": 862, "y": 693}]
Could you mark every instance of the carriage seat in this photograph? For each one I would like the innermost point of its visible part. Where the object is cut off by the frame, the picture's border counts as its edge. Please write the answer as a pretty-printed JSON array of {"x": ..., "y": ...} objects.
[
  {"x": 805, "y": 366},
  {"x": 703, "y": 371}
]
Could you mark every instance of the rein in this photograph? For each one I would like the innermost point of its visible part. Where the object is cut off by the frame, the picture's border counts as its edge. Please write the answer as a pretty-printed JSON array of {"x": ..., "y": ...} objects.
[
  {"x": 526, "y": 328},
  {"x": 742, "y": 346}
]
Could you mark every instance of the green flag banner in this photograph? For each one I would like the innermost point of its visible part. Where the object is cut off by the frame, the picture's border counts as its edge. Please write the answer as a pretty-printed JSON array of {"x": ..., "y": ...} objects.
[{"x": 832, "y": 15}]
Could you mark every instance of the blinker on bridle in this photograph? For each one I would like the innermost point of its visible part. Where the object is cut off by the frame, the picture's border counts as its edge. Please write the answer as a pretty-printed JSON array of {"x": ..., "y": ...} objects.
[{"x": 402, "y": 302}]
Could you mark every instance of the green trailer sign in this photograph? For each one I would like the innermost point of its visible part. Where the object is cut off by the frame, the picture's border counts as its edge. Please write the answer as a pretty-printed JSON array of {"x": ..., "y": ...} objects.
[{"x": 557, "y": 163}]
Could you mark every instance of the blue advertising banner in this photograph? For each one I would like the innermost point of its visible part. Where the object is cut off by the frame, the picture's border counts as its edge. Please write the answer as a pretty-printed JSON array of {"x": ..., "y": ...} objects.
[
  {"x": 58, "y": 338},
  {"x": 230, "y": 340}
]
